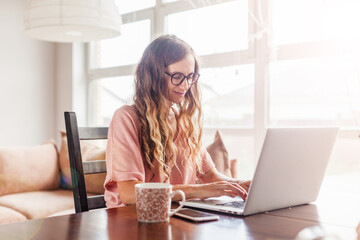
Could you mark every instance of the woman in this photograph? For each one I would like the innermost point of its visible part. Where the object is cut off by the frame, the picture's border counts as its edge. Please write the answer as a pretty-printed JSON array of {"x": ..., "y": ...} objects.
[{"x": 157, "y": 139}]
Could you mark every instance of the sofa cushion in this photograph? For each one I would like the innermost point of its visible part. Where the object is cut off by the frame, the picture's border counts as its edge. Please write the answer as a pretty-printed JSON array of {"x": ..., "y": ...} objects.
[
  {"x": 8, "y": 215},
  {"x": 219, "y": 155},
  {"x": 63, "y": 212},
  {"x": 89, "y": 152},
  {"x": 39, "y": 204},
  {"x": 33, "y": 168}
]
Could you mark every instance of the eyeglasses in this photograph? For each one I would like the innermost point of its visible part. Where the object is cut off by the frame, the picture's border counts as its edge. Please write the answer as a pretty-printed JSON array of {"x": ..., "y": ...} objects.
[{"x": 178, "y": 78}]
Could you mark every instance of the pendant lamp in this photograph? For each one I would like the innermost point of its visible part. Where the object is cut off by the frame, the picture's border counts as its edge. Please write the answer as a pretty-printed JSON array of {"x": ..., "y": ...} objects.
[{"x": 71, "y": 20}]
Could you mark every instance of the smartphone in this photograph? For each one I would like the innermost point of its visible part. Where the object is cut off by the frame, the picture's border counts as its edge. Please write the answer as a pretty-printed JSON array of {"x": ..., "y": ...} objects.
[{"x": 196, "y": 216}]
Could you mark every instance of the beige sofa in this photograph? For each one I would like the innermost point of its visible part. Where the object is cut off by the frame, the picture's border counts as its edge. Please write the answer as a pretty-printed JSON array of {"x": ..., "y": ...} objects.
[{"x": 35, "y": 181}]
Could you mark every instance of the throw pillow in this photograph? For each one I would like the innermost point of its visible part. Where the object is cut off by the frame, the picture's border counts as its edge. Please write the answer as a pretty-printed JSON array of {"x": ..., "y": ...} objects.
[
  {"x": 219, "y": 155},
  {"x": 25, "y": 169},
  {"x": 89, "y": 152}
]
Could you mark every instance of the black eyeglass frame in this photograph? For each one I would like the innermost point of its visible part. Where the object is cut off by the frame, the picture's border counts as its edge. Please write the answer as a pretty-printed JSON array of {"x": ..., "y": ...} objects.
[{"x": 182, "y": 80}]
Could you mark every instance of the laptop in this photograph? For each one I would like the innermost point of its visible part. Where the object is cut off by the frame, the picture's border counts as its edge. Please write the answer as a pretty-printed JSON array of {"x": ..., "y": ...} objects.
[{"x": 289, "y": 172}]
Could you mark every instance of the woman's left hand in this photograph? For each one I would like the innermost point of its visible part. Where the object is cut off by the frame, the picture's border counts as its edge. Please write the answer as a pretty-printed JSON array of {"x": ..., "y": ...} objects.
[{"x": 214, "y": 176}]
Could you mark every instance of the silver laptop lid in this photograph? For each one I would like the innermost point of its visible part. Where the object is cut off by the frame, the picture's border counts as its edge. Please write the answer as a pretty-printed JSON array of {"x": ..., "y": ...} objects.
[{"x": 291, "y": 168}]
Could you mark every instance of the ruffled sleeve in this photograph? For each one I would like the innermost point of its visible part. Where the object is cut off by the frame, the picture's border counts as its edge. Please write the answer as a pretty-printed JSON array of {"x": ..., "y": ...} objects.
[{"x": 207, "y": 162}]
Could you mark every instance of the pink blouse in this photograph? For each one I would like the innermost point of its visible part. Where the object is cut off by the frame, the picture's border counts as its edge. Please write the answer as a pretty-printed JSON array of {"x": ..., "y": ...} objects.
[{"x": 125, "y": 162}]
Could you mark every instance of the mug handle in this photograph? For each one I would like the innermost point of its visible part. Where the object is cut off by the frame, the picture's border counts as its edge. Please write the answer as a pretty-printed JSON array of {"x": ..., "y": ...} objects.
[{"x": 172, "y": 194}]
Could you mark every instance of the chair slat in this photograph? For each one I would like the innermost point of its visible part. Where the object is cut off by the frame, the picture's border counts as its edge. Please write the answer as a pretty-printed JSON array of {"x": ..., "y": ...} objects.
[
  {"x": 92, "y": 167},
  {"x": 95, "y": 202},
  {"x": 89, "y": 133}
]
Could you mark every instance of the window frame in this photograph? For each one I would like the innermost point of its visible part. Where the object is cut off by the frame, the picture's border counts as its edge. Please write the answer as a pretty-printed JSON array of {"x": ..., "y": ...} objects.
[{"x": 260, "y": 52}]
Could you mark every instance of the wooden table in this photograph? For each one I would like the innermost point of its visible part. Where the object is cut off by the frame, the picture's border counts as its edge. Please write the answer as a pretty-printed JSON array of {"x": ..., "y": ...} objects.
[
  {"x": 121, "y": 223},
  {"x": 337, "y": 215}
]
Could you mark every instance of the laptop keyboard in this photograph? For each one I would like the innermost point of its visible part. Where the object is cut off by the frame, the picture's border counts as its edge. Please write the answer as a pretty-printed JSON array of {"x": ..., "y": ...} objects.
[
  {"x": 216, "y": 202},
  {"x": 235, "y": 204}
]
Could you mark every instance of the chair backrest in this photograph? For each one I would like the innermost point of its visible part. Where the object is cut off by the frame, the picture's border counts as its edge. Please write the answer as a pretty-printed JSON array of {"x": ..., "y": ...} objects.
[{"x": 80, "y": 168}]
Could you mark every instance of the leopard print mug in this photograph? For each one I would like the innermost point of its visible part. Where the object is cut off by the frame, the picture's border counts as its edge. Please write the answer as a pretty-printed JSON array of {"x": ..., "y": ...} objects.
[{"x": 153, "y": 201}]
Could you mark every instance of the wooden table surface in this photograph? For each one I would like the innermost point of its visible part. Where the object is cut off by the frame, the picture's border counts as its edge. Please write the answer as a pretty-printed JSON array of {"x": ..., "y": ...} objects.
[
  {"x": 121, "y": 223},
  {"x": 337, "y": 215}
]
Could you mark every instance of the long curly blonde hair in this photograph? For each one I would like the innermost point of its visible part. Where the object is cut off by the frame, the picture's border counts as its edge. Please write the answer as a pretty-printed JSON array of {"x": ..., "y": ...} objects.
[{"x": 152, "y": 105}]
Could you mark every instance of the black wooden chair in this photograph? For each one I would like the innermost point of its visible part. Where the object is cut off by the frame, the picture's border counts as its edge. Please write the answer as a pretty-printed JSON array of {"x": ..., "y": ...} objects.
[{"x": 78, "y": 167}]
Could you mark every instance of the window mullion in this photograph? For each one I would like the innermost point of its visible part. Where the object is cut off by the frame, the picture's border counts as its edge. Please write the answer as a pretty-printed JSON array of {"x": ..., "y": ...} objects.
[
  {"x": 314, "y": 49},
  {"x": 111, "y": 72},
  {"x": 180, "y": 6},
  {"x": 261, "y": 77},
  {"x": 226, "y": 59},
  {"x": 137, "y": 16}
]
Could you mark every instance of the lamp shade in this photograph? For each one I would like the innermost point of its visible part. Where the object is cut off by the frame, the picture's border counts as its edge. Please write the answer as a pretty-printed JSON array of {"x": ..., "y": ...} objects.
[{"x": 71, "y": 20}]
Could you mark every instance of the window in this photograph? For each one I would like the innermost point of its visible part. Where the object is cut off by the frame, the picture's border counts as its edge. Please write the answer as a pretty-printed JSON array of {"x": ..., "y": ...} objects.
[
  {"x": 228, "y": 96},
  {"x": 213, "y": 29},
  {"x": 110, "y": 93},
  {"x": 125, "y": 49},
  {"x": 314, "y": 20},
  {"x": 221, "y": 78},
  {"x": 264, "y": 64},
  {"x": 317, "y": 91},
  {"x": 227, "y": 70},
  {"x": 314, "y": 72}
]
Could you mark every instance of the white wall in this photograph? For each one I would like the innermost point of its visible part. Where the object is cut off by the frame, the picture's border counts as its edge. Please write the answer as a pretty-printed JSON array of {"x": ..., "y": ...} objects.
[
  {"x": 71, "y": 87},
  {"x": 27, "y": 82},
  {"x": 63, "y": 84}
]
